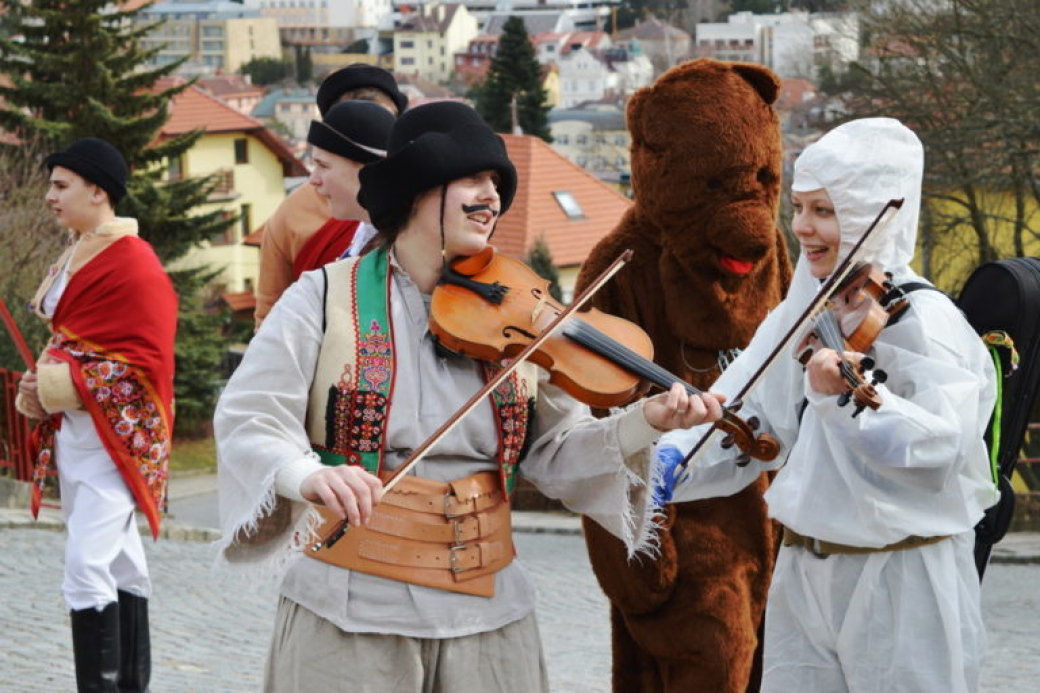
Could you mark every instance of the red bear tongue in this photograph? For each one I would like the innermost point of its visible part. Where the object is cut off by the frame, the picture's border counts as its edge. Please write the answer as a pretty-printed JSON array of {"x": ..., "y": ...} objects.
[{"x": 734, "y": 265}]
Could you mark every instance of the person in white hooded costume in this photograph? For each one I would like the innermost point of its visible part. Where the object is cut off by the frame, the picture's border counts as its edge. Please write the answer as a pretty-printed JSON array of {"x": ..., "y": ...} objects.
[{"x": 907, "y": 481}]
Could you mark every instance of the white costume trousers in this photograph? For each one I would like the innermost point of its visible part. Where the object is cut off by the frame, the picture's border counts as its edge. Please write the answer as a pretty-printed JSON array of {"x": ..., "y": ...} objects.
[
  {"x": 890, "y": 622},
  {"x": 104, "y": 552}
]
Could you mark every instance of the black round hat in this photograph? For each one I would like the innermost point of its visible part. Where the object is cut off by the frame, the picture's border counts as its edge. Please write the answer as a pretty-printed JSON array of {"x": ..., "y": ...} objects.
[
  {"x": 355, "y": 76},
  {"x": 432, "y": 145},
  {"x": 98, "y": 162},
  {"x": 357, "y": 130}
]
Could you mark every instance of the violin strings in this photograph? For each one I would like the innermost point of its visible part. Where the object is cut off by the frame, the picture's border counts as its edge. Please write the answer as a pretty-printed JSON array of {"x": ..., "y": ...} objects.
[
  {"x": 832, "y": 339},
  {"x": 594, "y": 339},
  {"x": 609, "y": 348}
]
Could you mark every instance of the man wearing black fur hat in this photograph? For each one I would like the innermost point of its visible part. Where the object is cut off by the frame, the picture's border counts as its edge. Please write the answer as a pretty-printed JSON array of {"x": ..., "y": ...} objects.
[
  {"x": 103, "y": 391},
  {"x": 300, "y": 218},
  {"x": 343, "y": 381}
]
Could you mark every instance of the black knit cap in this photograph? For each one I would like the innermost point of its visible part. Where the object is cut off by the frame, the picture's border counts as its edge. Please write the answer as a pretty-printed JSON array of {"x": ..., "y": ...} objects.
[
  {"x": 356, "y": 76},
  {"x": 98, "y": 162},
  {"x": 357, "y": 130},
  {"x": 432, "y": 145}
]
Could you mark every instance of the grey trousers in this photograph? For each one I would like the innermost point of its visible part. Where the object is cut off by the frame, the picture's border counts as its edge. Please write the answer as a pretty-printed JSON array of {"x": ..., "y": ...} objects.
[{"x": 309, "y": 654}]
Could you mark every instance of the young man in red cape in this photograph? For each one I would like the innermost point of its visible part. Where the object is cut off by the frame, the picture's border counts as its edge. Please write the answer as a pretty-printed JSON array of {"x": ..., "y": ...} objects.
[
  {"x": 303, "y": 234},
  {"x": 103, "y": 390}
]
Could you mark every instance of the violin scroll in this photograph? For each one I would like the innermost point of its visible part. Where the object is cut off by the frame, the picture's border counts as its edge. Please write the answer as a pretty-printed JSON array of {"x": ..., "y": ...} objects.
[{"x": 742, "y": 433}]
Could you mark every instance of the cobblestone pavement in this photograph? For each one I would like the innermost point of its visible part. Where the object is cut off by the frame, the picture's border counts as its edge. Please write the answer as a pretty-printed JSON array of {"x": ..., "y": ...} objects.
[{"x": 210, "y": 634}]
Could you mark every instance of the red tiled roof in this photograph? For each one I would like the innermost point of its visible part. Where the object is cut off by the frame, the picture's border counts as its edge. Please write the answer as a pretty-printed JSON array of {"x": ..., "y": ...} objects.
[
  {"x": 129, "y": 5},
  {"x": 254, "y": 238},
  {"x": 243, "y": 300},
  {"x": 541, "y": 171},
  {"x": 229, "y": 85},
  {"x": 194, "y": 109},
  {"x": 793, "y": 92}
]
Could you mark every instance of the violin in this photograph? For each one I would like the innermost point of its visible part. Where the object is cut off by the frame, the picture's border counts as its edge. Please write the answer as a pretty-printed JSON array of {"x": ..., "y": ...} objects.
[
  {"x": 863, "y": 304},
  {"x": 490, "y": 307}
]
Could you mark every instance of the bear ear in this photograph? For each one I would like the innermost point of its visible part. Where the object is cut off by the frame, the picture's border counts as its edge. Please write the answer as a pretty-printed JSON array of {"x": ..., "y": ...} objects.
[{"x": 763, "y": 80}]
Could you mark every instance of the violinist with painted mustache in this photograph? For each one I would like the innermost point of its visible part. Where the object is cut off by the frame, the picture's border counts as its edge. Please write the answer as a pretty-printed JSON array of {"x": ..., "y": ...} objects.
[{"x": 344, "y": 381}]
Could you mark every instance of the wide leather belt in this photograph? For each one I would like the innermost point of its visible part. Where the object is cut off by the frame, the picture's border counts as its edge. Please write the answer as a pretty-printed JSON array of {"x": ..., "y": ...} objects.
[
  {"x": 453, "y": 536},
  {"x": 822, "y": 549}
]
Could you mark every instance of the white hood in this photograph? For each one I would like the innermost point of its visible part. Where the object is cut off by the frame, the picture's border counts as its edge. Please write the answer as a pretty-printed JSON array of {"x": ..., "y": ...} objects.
[{"x": 862, "y": 165}]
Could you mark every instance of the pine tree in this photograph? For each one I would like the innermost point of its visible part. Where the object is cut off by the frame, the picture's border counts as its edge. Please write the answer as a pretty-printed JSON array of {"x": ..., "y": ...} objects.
[
  {"x": 515, "y": 73},
  {"x": 540, "y": 260},
  {"x": 79, "y": 70}
]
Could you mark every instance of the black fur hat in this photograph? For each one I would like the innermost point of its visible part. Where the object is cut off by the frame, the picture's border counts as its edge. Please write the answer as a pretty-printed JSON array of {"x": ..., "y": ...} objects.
[
  {"x": 355, "y": 76},
  {"x": 98, "y": 162},
  {"x": 432, "y": 145},
  {"x": 357, "y": 130}
]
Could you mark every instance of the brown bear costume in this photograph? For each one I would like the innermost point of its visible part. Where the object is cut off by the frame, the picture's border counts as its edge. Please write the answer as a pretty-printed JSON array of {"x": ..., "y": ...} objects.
[{"x": 709, "y": 263}]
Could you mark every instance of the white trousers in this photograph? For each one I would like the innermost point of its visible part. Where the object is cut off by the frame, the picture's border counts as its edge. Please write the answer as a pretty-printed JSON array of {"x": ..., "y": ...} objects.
[
  {"x": 104, "y": 552},
  {"x": 894, "y": 622}
]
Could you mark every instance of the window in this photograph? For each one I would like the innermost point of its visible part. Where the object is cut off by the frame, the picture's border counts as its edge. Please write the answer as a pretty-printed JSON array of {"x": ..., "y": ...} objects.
[
  {"x": 601, "y": 139},
  {"x": 619, "y": 140},
  {"x": 562, "y": 139},
  {"x": 245, "y": 220},
  {"x": 224, "y": 237},
  {"x": 242, "y": 151},
  {"x": 175, "y": 170},
  {"x": 407, "y": 61},
  {"x": 567, "y": 202},
  {"x": 407, "y": 44},
  {"x": 581, "y": 139}
]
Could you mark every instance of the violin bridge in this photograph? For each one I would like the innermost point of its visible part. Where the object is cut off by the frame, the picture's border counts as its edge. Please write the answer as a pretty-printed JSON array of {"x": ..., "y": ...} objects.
[{"x": 543, "y": 300}]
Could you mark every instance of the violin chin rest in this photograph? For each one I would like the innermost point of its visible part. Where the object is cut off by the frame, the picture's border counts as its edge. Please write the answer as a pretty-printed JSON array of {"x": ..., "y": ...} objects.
[{"x": 443, "y": 351}]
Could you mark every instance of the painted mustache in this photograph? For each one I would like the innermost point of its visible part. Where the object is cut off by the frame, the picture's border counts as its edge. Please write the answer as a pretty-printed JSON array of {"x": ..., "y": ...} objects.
[{"x": 470, "y": 209}]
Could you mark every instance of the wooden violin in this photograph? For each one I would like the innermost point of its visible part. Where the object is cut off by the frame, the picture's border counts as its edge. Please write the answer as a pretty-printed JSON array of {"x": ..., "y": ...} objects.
[
  {"x": 490, "y": 307},
  {"x": 860, "y": 308}
]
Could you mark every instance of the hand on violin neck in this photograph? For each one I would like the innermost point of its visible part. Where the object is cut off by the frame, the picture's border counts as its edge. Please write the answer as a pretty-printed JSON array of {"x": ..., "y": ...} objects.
[
  {"x": 825, "y": 370},
  {"x": 677, "y": 409}
]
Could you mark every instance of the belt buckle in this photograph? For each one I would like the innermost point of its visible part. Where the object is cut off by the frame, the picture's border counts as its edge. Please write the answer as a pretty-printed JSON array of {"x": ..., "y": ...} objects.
[
  {"x": 457, "y": 527},
  {"x": 447, "y": 507},
  {"x": 813, "y": 545},
  {"x": 454, "y": 566}
]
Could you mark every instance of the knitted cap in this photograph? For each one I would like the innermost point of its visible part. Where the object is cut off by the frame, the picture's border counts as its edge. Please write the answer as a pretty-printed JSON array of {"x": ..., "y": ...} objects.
[
  {"x": 356, "y": 76},
  {"x": 432, "y": 145},
  {"x": 98, "y": 162},
  {"x": 356, "y": 130}
]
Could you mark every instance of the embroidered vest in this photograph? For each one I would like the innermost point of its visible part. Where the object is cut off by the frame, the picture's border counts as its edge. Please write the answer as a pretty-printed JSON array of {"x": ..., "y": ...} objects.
[{"x": 352, "y": 391}]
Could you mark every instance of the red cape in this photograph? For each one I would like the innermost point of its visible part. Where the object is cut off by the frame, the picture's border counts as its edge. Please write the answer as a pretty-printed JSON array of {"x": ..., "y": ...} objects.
[
  {"x": 115, "y": 326},
  {"x": 326, "y": 245}
]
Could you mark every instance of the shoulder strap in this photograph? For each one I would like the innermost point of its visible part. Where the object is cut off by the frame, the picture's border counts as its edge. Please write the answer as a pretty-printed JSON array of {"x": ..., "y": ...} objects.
[{"x": 905, "y": 289}]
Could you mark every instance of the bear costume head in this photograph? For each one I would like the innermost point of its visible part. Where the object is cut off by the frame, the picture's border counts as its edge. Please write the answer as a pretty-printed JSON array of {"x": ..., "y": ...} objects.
[{"x": 706, "y": 169}]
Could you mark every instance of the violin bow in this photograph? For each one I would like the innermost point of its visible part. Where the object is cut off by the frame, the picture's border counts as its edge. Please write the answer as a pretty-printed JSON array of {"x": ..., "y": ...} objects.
[
  {"x": 827, "y": 289},
  {"x": 420, "y": 452}
]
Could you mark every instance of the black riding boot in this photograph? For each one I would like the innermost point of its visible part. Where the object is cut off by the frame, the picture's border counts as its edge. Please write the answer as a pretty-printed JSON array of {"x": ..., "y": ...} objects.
[
  {"x": 95, "y": 647},
  {"x": 135, "y": 667}
]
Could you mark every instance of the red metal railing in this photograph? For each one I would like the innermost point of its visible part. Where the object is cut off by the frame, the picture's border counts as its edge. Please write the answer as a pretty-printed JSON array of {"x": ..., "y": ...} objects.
[{"x": 15, "y": 460}]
